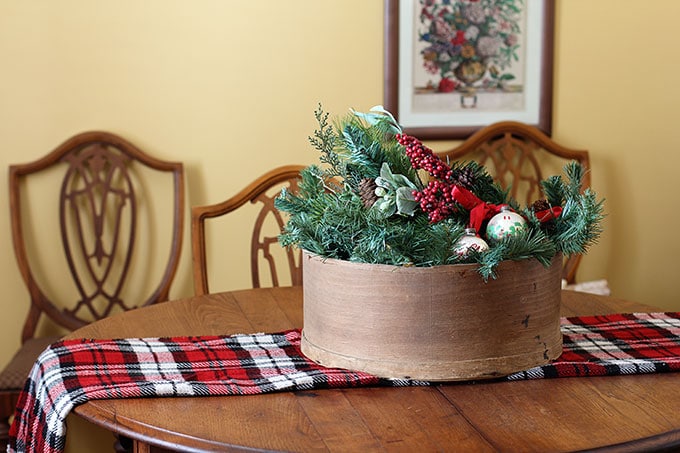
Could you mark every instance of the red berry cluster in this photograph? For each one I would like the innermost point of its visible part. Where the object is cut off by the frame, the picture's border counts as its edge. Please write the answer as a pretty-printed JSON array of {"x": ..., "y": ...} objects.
[
  {"x": 423, "y": 157},
  {"x": 436, "y": 199}
]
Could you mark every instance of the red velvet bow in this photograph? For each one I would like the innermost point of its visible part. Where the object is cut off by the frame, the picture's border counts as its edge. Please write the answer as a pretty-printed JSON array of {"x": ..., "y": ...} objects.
[
  {"x": 548, "y": 214},
  {"x": 479, "y": 210}
]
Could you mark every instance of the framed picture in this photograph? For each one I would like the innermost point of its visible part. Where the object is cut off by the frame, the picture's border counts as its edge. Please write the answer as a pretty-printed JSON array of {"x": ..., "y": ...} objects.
[{"x": 455, "y": 66}]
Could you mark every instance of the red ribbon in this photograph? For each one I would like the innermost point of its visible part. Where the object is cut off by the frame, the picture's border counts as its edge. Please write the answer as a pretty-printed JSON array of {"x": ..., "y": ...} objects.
[
  {"x": 549, "y": 214},
  {"x": 479, "y": 210}
]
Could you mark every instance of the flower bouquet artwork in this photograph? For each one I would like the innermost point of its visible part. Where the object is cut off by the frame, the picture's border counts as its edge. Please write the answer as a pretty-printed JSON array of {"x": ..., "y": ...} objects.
[
  {"x": 470, "y": 43},
  {"x": 418, "y": 268}
]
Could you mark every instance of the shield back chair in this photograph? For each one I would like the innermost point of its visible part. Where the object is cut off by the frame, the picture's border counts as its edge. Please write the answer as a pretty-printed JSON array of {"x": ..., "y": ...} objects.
[
  {"x": 96, "y": 199},
  {"x": 270, "y": 264},
  {"x": 519, "y": 156}
]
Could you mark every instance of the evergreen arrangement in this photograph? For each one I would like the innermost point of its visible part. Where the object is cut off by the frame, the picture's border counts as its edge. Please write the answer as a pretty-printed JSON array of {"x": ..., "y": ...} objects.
[{"x": 381, "y": 196}]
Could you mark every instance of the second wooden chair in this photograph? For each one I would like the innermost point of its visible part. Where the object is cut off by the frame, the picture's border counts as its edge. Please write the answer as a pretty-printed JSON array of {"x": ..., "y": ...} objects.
[{"x": 263, "y": 192}]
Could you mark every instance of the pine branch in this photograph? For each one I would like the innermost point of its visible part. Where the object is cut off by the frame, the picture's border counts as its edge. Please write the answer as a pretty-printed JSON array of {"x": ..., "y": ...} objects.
[
  {"x": 579, "y": 225},
  {"x": 525, "y": 245},
  {"x": 554, "y": 190},
  {"x": 574, "y": 172}
]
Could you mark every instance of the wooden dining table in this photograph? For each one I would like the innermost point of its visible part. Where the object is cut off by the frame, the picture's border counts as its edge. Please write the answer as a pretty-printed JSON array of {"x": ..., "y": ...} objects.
[{"x": 612, "y": 413}]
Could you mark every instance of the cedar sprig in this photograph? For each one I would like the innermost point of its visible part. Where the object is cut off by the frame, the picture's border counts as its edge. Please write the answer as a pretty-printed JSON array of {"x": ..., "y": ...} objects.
[{"x": 325, "y": 139}]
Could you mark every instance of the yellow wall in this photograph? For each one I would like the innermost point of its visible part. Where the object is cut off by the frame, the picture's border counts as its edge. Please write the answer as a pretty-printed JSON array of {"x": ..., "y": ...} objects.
[{"x": 229, "y": 88}]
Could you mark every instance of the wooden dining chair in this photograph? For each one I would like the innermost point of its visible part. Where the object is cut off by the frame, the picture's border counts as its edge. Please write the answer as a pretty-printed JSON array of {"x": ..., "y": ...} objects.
[
  {"x": 86, "y": 228},
  {"x": 519, "y": 156},
  {"x": 267, "y": 259}
]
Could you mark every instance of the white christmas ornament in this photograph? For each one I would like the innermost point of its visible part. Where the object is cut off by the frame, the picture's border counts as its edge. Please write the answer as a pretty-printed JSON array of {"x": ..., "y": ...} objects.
[
  {"x": 505, "y": 223},
  {"x": 468, "y": 242}
]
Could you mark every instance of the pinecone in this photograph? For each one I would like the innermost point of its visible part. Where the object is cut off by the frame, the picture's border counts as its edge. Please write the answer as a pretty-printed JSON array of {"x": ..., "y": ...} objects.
[
  {"x": 367, "y": 188},
  {"x": 540, "y": 205},
  {"x": 463, "y": 177}
]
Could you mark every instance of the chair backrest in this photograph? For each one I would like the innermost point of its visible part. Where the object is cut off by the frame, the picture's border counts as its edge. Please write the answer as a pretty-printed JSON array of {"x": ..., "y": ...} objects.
[
  {"x": 102, "y": 187},
  {"x": 519, "y": 156},
  {"x": 264, "y": 248}
]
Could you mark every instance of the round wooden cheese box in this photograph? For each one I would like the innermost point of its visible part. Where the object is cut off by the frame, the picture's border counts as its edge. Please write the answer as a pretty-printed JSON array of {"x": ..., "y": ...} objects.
[{"x": 441, "y": 323}]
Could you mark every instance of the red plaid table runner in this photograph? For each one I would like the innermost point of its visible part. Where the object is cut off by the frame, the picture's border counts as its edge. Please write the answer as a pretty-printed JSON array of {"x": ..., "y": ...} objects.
[{"x": 72, "y": 372}]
